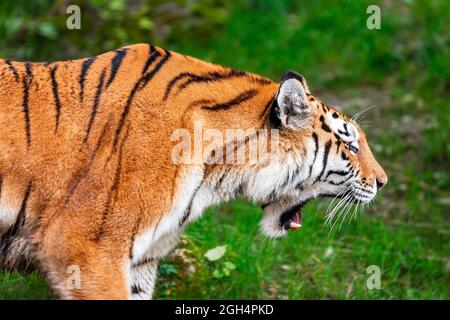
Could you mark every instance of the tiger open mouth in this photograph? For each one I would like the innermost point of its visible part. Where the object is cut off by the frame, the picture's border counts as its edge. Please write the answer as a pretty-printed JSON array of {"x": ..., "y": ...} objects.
[
  {"x": 291, "y": 219},
  {"x": 285, "y": 215}
]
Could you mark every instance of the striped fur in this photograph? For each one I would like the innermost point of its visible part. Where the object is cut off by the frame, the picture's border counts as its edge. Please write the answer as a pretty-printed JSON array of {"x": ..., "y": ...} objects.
[{"x": 88, "y": 179}]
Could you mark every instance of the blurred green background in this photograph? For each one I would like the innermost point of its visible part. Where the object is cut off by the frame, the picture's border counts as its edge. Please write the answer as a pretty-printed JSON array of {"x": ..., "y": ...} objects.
[{"x": 403, "y": 69}]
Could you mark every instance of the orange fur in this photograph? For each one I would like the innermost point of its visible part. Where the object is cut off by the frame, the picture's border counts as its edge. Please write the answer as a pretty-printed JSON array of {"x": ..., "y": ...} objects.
[{"x": 96, "y": 155}]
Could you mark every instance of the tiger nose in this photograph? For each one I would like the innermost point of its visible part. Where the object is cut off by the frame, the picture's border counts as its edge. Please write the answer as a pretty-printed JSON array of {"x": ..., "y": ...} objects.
[{"x": 381, "y": 181}]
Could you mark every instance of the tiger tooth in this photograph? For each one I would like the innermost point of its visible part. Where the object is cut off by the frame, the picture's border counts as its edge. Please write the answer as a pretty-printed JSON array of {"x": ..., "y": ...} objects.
[{"x": 294, "y": 226}]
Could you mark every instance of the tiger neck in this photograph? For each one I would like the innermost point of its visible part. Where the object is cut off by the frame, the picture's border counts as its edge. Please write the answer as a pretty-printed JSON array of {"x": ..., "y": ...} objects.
[{"x": 246, "y": 109}]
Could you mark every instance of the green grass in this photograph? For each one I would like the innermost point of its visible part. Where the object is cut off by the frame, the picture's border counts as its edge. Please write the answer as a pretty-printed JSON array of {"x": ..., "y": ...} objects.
[
  {"x": 404, "y": 70},
  {"x": 312, "y": 263},
  {"x": 17, "y": 286}
]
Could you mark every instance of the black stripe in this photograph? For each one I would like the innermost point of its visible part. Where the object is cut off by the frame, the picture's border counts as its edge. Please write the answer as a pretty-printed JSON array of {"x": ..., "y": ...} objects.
[
  {"x": 153, "y": 54},
  {"x": 325, "y": 108},
  {"x": 143, "y": 262},
  {"x": 324, "y": 125},
  {"x": 7, "y": 238},
  {"x": 1, "y": 184},
  {"x": 95, "y": 105},
  {"x": 26, "y": 82},
  {"x": 272, "y": 195},
  {"x": 115, "y": 64},
  {"x": 135, "y": 289},
  {"x": 173, "y": 82},
  {"x": 241, "y": 98},
  {"x": 240, "y": 190},
  {"x": 133, "y": 234},
  {"x": 300, "y": 185},
  {"x": 149, "y": 76},
  {"x": 316, "y": 150},
  {"x": 290, "y": 177},
  {"x": 56, "y": 95},
  {"x": 338, "y": 144},
  {"x": 125, "y": 112},
  {"x": 346, "y": 133},
  {"x": 12, "y": 69},
  {"x": 222, "y": 177},
  {"x": 187, "y": 213},
  {"x": 112, "y": 191},
  {"x": 29, "y": 72},
  {"x": 209, "y": 77},
  {"x": 139, "y": 85},
  {"x": 83, "y": 172},
  {"x": 267, "y": 107},
  {"x": 364, "y": 190},
  {"x": 338, "y": 172},
  {"x": 84, "y": 69},
  {"x": 340, "y": 182},
  {"x": 197, "y": 103},
  {"x": 212, "y": 76},
  {"x": 325, "y": 159}
]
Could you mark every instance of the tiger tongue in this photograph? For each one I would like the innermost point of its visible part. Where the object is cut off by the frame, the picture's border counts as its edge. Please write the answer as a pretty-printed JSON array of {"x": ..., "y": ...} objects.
[{"x": 296, "y": 221}]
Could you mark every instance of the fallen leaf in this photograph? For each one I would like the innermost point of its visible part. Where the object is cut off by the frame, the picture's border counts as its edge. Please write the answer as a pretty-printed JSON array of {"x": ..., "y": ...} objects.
[{"x": 216, "y": 253}]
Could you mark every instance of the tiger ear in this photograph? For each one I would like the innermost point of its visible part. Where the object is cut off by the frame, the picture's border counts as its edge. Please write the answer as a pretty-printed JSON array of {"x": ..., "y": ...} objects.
[
  {"x": 294, "y": 75},
  {"x": 291, "y": 103}
]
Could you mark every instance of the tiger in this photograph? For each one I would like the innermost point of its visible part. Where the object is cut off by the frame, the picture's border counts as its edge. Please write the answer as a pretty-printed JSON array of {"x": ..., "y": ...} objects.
[{"x": 88, "y": 177}]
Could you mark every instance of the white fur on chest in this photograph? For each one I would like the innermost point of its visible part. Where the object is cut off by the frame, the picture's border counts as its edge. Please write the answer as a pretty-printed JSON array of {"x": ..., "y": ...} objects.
[{"x": 161, "y": 237}]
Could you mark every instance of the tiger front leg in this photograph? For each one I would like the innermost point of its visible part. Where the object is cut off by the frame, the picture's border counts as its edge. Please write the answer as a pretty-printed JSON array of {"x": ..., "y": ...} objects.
[
  {"x": 143, "y": 278},
  {"x": 93, "y": 272},
  {"x": 79, "y": 261}
]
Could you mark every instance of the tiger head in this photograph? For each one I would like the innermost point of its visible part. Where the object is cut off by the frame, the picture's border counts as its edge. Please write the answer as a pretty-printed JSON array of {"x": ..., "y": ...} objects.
[{"x": 323, "y": 153}]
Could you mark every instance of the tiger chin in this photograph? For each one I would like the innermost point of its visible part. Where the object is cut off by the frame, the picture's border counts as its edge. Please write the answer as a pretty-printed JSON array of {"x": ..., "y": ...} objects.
[{"x": 92, "y": 192}]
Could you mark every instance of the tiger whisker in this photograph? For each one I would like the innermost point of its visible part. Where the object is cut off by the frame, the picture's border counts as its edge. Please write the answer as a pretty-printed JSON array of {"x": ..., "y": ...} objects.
[
  {"x": 344, "y": 211},
  {"x": 354, "y": 211},
  {"x": 328, "y": 214},
  {"x": 342, "y": 202},
  {"x": 355, "y": 118},
  {"x": 333, "y": 212},
  {"x": 347, "y": 210},
  {"x": 331, "y": 203}
]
